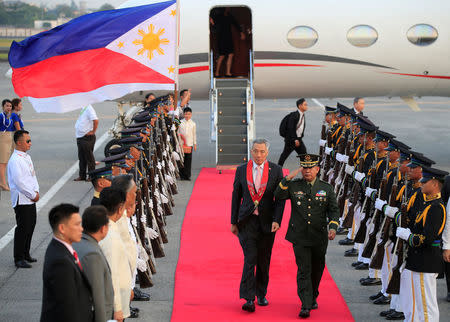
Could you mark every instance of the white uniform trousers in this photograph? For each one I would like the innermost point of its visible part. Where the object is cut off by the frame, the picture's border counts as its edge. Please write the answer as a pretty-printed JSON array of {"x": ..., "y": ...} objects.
[{"x": 418, "y": 296}]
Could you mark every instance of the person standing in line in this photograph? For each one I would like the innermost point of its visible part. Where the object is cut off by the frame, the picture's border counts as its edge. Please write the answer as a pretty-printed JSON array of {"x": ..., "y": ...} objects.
[
  {"x": 94, "y": 263},
  {"x": 188, "y": 130},
  {"x": 24, "y": 195},
  {"x": 314, "y": 221},
  {"x": 295, "y": 129},
  {"x": 100, "y": 179},
  {"x": 446, "y": 233},
  {"x": 15, "y": 116},
  {"x": 67, "y": 293},
  {"x": 358, "y": 105},
  {"x": 85, "y": 129},
  {"x": 116, "y": 253},
  {"x": 6, "y": 140},
  {"x": 255, "y": 217}
]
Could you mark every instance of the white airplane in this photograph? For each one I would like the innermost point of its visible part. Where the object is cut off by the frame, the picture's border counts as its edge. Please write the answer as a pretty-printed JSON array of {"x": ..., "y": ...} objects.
[{"x": 323, "y": 48}]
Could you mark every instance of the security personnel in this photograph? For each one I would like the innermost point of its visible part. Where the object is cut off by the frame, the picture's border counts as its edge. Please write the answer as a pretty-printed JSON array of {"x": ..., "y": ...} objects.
[
  {"x": 100, "y": 179},
  {"x": 314, "y": 209},
  {"x": 424, "y": 259}
]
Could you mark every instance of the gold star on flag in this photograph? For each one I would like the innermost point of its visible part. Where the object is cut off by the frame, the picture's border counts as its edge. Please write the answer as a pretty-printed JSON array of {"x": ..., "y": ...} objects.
[
  {"x": 173, "y": 13},
  {"x": 120, "y": 44},
  {"x": 171, "y": 69}
]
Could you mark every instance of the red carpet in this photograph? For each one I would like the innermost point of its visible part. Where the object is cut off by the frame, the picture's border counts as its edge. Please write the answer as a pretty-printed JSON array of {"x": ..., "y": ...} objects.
[{"x": 210, "y": 265}]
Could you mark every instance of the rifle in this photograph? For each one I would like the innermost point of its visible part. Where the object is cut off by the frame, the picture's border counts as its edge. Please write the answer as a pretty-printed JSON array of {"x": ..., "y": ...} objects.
[
  {"x": 144, "y": 277},
  {"x": 157, "y": 243},
  {"x": 377, "y": 259},
  {"x": 372, "y": 239},
  {"x": 327, "y": 165},
  {"x": 343, "y": 190},
  {"x": 159, "y": 219},
  {"x": 323, "y": 136},
  {"x": 338, "y": 165}
]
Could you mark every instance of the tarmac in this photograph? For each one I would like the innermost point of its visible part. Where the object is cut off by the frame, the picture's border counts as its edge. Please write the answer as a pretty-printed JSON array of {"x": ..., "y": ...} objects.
[{"x": 54, "y": 154}]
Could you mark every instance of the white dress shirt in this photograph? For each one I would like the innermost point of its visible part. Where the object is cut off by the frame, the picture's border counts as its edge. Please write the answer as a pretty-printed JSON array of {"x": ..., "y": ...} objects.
[
  {"x": 116, "y": 253},
  {"x": 446, "y": 232},
  {"x": 22, "y": 179},
  {"x": 85, "y": 122},
  {"x": 300, "y": 126},
  {"x": 189, "y": 129}
]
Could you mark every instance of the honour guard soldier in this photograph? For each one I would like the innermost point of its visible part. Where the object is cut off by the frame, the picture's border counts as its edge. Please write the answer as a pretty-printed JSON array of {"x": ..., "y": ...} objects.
[
  {"x": 314, "y": 220},
  {"x": 100, "y": 179},
  {"x": 424, "y": 259}
]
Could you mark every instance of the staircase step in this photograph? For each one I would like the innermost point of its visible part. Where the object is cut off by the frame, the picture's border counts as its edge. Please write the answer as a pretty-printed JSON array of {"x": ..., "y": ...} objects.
[
  {"x": 231, "y": 130},
  {"x": 232, "y": 120},
  {"x": 232, "y": 92},
  {"x": 225, "y": 149},
  {"x": 231, "y": 139},
  {"x": 228, "y": 159},
  {"x": 223, "y": 101},
  {"x": 232, "y": 111},
  {"x": 231, "y": 82}
]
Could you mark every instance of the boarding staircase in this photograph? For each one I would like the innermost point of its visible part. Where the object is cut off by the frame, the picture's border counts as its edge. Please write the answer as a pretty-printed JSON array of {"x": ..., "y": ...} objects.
[{"x": 232, "y": 119}]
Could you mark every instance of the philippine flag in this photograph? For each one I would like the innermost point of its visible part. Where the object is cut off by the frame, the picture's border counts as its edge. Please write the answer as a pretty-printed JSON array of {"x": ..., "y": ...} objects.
[{"x": 97, "y": 57}]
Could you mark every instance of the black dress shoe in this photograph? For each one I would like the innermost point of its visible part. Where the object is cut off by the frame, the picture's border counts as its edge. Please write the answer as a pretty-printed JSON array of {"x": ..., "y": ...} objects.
[
  {"x": 315, "y": 306},
  {"x": 354, "y": 264},
  {"x": 136, "y": 309},
  {"x": 133, "y": 314},
  {"x": 374, "y": 297},
  {"x": 363, "y": 266},
  {"x": 371, "y": 281},
  {"x": 341, "y": 231},
  {"x": 22, "y": 264},
  {"x": 386, "y": 313},
  {"x": 304, "y": 313},
  {"x": 351, "y": 253},
  {"x": 30, "y": 259},
  {"x": 363, "y": 278},
  {"x": 140, "y": 296},
  {"x": 382, "y": 300},
  {"x": 263, "y": 301},
  {"x": 395, "y": 316},
  {"x": 249, "y": 306},
  {"x": 448, "y": 297},
  {"x": 346, "y": 241}
]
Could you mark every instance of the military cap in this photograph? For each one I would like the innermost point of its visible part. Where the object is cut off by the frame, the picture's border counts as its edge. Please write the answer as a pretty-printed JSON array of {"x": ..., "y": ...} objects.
[
  {"x": 119, "y": 150},
  {"x": 395, "y": 145},
  {"x": 429, "y": 173},
  {"x": 133, "y": 131},
  {"x": 104, "y": 172},
  {"x": 135, "y": 141},
  {"x": 330, "y": 109},
  {"x": 115, "y": 158},
  {"x": 419, "y": 160},
  {"x": 383, "y": 136},
  {"x": 142, "y": 118},
  {"x": 343, "y": 110},
  {"x": 138, "y": 124},
  {"x": 365, "y": 125},
  {"x": 308, "y": 160}
]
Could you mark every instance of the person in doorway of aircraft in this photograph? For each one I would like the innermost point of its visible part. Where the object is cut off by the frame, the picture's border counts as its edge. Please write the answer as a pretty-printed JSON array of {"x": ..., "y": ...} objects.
[
  {"x": 358, "y": 105},
  {"x": 222, "y": 20}
]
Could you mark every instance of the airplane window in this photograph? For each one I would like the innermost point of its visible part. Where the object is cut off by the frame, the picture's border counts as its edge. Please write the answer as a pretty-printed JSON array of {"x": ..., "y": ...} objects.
[
  {"x": 362, "y": 36},
  {"x": 302, "y": 37},
  {"x": 422, "y": 34}
]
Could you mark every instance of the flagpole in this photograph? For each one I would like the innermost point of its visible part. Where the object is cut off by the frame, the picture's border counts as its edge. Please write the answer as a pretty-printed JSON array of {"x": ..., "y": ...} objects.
[{"x": 177, "y": 55}]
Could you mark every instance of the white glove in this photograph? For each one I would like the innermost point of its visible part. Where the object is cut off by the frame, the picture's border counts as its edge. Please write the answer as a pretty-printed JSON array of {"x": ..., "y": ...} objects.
[
  {"x": 169, "y": 179},
  {"x": 328, "y": 150},
  {"x": 359, "y": 176},
  {"x": 322, "y": 142},
  {"x": 152, "y": 234},
  {"x": 164, "y": 153},
  {"x": 391, "y": 211},
  {"x": 141, "y": 265},
  {"x": 379, "y": 204},
  {"x": 159, "y": 166},
  {"x": 173, "y": 128},
  {"x": 349, "y": 169},
  {"x": 345, "y": 159},
  {"x": 142, "y": 253},
  {"x": 338, "y": 181},
  {"x": 164, "y": 199},
  {"x": 157, "y": 179},
  {"x": 403, "y": 233},
  {"x": 339, "y": 157},
  {"x": 369, "y": 191},
  {"x": 176, "y": 156},
  {"x": 134, "y": 221}
]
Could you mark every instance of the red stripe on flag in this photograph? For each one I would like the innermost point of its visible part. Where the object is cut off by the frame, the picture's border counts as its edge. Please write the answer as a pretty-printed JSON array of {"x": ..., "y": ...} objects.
[{"x": 81, "y": 72}]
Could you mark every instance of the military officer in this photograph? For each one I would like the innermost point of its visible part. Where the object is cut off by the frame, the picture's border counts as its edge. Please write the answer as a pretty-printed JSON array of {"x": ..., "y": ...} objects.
[
  {"x": 314, "y": 220},
  {"x": 100, "y": 179}
]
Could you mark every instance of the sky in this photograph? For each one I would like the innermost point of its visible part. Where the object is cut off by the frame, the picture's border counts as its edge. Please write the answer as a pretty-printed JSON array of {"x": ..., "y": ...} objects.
[{"x": 90, "y": 3}]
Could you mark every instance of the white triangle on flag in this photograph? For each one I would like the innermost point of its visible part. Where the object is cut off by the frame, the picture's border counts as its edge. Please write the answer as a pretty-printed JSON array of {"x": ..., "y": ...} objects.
[{"x": 152, "y": 42}]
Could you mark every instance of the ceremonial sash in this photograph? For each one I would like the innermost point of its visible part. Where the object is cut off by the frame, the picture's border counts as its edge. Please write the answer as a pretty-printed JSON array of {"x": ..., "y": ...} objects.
[{"x": 257, "y": 195}]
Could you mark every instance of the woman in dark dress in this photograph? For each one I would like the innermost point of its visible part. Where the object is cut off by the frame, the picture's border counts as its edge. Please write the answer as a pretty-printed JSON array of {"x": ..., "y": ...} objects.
[{"x": 222, "y": 20}]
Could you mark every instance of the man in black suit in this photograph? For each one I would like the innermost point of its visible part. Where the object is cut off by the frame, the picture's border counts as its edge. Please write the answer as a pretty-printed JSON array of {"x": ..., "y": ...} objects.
[
  {"x": 67, "y": 294},
  {"x": 255, "y": 217},
  {"x": 294, "y": 132},
  {"x": 358, "y": 105}
]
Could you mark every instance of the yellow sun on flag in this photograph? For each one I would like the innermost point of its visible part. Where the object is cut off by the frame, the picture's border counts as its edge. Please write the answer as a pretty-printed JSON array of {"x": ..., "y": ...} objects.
[{"x": 151, "y": 41}]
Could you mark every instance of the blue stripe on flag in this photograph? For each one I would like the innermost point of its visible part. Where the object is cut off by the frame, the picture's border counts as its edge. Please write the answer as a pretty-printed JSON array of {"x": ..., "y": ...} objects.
[{"x": 91, "y": 31}]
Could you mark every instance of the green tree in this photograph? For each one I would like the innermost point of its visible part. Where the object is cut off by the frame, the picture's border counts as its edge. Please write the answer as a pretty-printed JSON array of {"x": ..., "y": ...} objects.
[{"x": 106, "y": 6}]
